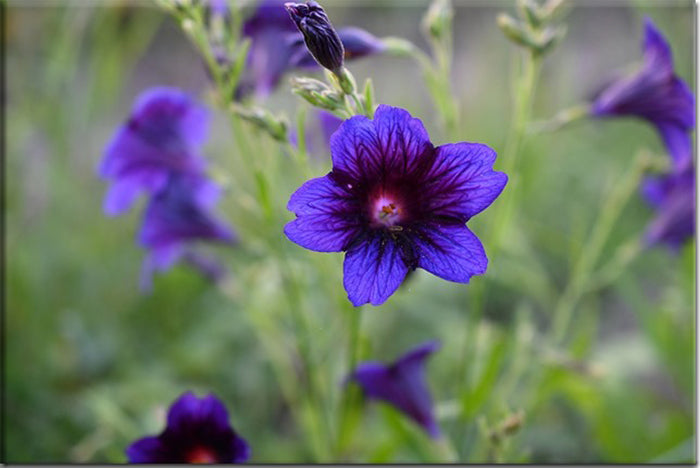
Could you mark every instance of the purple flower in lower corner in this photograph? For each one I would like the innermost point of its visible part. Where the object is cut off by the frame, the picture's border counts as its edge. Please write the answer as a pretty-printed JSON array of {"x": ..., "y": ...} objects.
[
  {"x": 402, "y": 384},
  {"x": 175, "y": 218},
  {"x": 673, "y": 198},
  {"x": 163, "y": 135},
  {"x": 657, "y": 94},
  {"x": 198, "y": 431},
  {"x": 394, "y": 202}
]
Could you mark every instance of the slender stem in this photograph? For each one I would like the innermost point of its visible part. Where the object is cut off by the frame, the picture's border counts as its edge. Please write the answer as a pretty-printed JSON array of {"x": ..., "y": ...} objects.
[
  {"x": 524, "y": 90},
  {"x": 591, "y": 251}
]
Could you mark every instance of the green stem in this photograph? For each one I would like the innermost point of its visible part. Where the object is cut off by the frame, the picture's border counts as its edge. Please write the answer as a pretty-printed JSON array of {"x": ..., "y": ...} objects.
[
  {"x": 524, "y": 90},
  {"x": 587, "y": 260}
]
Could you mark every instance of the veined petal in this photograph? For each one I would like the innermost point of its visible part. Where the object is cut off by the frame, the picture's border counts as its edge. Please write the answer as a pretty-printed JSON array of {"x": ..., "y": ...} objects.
[
  {"x": 391, "y": 145},
  {"x": 328, "y": 218},
  {"x": 373, "y": 269},
  {"x": 461, "y": 182},
  {"x": 404, "y": 142},
  {"x": 450, "y": 251}
]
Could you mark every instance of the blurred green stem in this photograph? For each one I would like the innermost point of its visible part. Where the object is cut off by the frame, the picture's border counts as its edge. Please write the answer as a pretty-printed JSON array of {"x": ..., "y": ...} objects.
[
  {"x": 582, "y": 271},
  {"x": 522, "y": 110},
  {"x": 524, "y": 89}
]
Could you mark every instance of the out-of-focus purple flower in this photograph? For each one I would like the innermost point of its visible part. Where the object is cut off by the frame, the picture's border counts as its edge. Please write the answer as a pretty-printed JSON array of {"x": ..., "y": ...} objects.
[
  {"x": 198, "y": 431},
  {"x": 673, "y": 197},
  {"x": 402, "y": 384},
  {"x": 656, "y": 94},
  {"x": 394, "y": 203},
  {"x": 161, "y": 137},
  {"x": 277, "y": 46},
  {"x": 320, "y": 36},
  {"x": 175, "y": 218},
  {"x": 219, "y": 7},
  {"x": 329, "y": 124},
  {"x": 274, "y": 40}
]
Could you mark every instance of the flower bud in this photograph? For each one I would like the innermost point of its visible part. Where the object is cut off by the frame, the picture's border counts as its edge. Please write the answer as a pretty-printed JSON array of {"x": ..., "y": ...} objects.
[
  {"x": 438, "y": 20},
  {"x": 317, "y": 93},
  {"x": 277, "y": 127},
  {"x": 319, "y": 35}
]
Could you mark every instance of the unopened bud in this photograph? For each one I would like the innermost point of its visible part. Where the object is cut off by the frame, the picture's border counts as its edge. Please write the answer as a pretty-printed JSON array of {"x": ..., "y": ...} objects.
[
  {"x": 317, "y": 93},
  {"x": 514, "y": 30},
  {"x": 320, "y": 37},
  {"x": 275, "y": 126},
  {"x": 438, "y": 19},
  {"x": 531, "y": 12}
]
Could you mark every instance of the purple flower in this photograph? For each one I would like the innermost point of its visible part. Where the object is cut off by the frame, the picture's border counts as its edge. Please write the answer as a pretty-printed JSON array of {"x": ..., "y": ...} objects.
[
  {"x": 175, "y": 218},
  {"x": 277, "y": 46},
  {"x": 673, "y": 197},
  {"x": 394, "y": 203},
  {"x": 656, "y": 94},
  {"x": 274, "y": 40},
  {"x": 162, "y": 136},
  {"x": 402, "y": 384},
  {"x": 198, "y": 431},
  {"x": 319, "y": 34}
]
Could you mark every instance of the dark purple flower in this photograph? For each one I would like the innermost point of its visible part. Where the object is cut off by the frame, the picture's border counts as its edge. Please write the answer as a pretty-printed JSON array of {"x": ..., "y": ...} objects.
[
  {"x": 161, "y": 137},
  {"x": 175, "y": 218},
  {"x": 394, "y": 203},
  {"x": 656, "y": 94},
  {"x": 673, "y": 197},
  {"x": 198, "y": 431},
  {"x": 402, "y": 384},
  {"x": 320, "y": 36}
]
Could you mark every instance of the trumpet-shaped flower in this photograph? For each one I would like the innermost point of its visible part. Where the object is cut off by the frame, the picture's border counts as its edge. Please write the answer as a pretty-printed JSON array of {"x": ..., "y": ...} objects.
[
  {"x": 162, "y": 136},
  {"x": 673, "y": 197},
  {"x": 175, "y": 218},
  {"x": 394, "y": 202},
  {"x": 402, "y": 384},
  {"x": 198, "y": 431},
  {"x": 656, "y": 94}
]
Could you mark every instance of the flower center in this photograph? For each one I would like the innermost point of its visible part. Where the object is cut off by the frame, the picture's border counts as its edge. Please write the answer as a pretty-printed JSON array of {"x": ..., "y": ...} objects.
[
  {"x": 201, "y": 455},
  {"x": 386, "y": 212}
]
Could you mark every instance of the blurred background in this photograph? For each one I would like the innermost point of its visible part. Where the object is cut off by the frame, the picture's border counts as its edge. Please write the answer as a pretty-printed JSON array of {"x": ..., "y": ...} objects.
[{"x": 91, "y": 363}]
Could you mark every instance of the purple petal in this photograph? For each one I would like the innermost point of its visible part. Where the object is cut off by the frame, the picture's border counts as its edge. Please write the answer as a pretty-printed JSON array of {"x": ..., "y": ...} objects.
[
  {"x": 393, "y": 143},
  {"x": 461, "y": 182},
  {"x": 657, "y": 52},
  {"x": 677, "y": 142},
  {"x": 403, "y": 140},
  {"x": 359, "y": 43},
  {"x": 403, "y": 385},
  {"x": 329, "y": 123},
  {"x": 328, "y": 218},
  {"x": 450, "y": 251},
  {"x": 180, "y": 213},
  {"x": 123, "y": 192},
  {"x": 373, "y": 269},
  {"x": 147, "y": 450}
]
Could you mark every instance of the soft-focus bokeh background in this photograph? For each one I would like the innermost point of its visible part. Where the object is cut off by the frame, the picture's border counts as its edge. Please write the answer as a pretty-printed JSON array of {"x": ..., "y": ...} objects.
[{"x": 91, "y": 364}]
